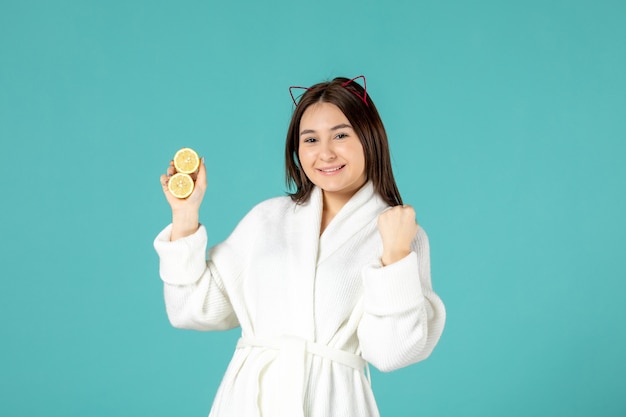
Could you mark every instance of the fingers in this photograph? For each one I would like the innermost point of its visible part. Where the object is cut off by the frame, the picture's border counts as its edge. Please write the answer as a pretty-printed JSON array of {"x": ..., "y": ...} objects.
[
  {"x": 164, "y": 179},
  {"x": 407, "y": 207},
  {"x": 171, "y": 170},
  {"x": 400, "y": 216},
  {"x": 404, "y": 210}
]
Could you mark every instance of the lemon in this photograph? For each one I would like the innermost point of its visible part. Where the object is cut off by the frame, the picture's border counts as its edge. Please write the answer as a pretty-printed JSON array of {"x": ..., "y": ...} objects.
[
  {"x": 180, "y": 185},
  {"x": 186, "y": 161}
]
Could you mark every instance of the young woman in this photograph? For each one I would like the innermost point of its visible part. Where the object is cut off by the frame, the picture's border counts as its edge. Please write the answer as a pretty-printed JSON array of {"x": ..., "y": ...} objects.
[{"x": 321, "y": 282}]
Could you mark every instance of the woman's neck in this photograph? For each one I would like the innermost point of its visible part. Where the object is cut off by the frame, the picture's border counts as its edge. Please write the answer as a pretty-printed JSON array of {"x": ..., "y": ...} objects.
[{"x": 332, "y": 203}]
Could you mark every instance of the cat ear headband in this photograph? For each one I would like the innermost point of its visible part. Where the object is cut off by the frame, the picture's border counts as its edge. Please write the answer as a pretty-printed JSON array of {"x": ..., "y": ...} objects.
[{"x": 345, "y": 84}]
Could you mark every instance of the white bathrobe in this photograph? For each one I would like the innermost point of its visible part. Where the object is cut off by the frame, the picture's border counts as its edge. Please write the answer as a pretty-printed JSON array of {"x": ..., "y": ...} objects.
[{"x": 312, "y": 309}]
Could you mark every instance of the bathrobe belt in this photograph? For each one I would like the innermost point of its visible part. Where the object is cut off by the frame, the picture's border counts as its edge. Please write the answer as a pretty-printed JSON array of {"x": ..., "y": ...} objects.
[{"x": 291, "y": 359}]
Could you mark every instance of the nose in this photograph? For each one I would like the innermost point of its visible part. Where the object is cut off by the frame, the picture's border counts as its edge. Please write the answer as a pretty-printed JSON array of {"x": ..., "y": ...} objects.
[{"x": 327, "y": 153}]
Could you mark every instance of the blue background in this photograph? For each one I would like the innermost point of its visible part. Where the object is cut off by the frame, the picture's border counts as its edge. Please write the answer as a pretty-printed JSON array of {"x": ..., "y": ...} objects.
[{"x": 507, "y": 127}]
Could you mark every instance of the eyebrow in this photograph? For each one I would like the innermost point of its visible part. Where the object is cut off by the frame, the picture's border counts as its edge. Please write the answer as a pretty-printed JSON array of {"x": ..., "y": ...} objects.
[{"x": 339, "y": 126}]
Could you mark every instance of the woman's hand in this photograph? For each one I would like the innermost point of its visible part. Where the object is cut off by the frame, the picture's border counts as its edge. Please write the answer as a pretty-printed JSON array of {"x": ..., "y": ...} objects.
[
  {"x": 185, "y": 211},
  {"x": 397, "y": 227}
]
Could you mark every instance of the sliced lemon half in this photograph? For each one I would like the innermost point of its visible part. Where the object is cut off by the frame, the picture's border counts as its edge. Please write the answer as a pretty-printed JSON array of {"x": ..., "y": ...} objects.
[
  {"x": 186, "y": 161},
  {"x": 180, "y": 185}
]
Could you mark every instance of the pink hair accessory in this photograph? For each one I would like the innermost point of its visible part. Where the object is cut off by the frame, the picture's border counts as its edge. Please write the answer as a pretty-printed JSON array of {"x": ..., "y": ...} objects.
[
  {"x": 291, "y": 92},
  {"x": 364, "y": 98},
  {"x": 345, "y": 84}
]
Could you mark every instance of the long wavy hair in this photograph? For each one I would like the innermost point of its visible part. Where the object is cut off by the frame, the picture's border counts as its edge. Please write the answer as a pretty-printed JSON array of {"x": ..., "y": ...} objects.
[{"x": 368, "y": 126}]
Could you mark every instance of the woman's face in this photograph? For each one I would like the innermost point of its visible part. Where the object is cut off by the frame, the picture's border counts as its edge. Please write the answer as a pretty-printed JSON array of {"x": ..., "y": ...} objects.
[{"x": 330, "y": 152}]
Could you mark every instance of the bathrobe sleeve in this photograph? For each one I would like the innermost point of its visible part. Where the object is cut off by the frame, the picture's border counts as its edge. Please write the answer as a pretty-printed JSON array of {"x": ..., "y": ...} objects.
[
  {"x": 402, "y": 317},
  {"x": 195, "y": 296}
]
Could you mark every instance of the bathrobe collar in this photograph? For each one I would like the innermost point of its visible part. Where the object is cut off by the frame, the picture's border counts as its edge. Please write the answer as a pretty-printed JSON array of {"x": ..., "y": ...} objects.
[{"x": 363, "y": 208}]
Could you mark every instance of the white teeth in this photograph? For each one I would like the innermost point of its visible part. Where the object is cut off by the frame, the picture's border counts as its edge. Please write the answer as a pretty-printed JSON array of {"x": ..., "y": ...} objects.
[{"x": 331, "y": 170}]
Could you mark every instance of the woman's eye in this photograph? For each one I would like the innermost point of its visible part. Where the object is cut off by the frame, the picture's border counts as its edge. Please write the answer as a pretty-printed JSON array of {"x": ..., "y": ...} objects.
[
  {"x": 309, "y": 140},
  {"x": 341, "y": 136}
]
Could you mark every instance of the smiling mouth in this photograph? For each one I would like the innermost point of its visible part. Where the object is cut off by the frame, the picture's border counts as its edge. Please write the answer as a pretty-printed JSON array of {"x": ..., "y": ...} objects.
[{"x": 330, "y": 170}]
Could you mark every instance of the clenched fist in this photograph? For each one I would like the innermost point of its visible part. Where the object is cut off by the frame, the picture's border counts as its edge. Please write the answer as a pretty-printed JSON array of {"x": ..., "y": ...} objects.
[{"x": 397, "y": 227}]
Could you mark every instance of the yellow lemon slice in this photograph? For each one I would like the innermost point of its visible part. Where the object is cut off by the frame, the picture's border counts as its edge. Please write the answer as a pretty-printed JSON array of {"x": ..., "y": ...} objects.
[
  {"x": 180, "y": 185},
  {"x": 186, "y": 161}
]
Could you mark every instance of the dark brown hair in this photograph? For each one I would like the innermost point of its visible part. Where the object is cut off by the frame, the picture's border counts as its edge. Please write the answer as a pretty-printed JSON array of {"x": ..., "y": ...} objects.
[{"x": 367, "y": 125}]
